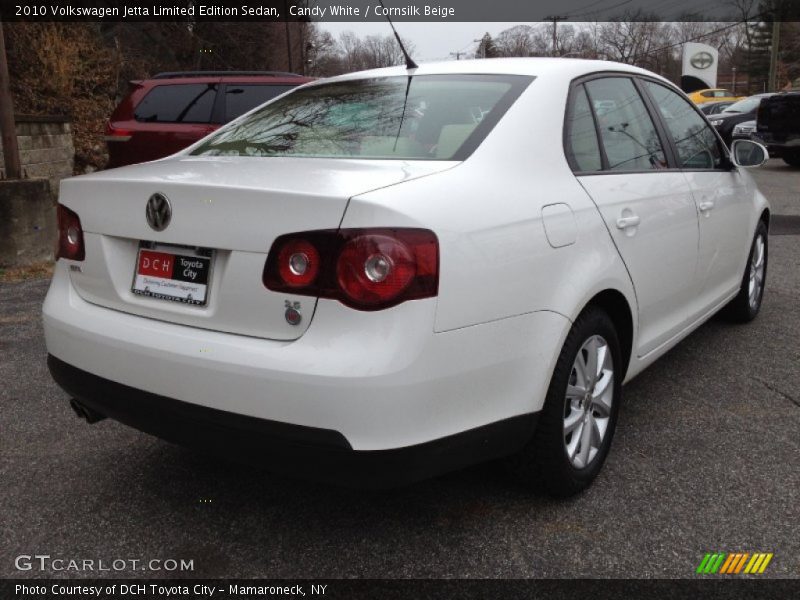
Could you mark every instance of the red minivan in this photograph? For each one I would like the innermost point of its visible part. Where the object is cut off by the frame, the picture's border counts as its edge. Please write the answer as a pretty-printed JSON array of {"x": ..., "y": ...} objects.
[{"x": 173, "y": 110}]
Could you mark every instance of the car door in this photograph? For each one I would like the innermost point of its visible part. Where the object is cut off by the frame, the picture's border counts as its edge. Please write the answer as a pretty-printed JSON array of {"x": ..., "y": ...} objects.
[
  {"x": 647, "y": 207},
  {"x": 720, "y": 193}
]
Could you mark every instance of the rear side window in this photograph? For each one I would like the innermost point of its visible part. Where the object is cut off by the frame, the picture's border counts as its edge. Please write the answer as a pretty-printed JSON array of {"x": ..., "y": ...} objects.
[
  {"x": 180, "y": 103},
  {"x": 627, "y": 132},
  {"x": 780, "y": 114},
  {"x": 697, "y": 144},
  {"x": 241, "y": 98},
  {"x": 583, "y": 150}
]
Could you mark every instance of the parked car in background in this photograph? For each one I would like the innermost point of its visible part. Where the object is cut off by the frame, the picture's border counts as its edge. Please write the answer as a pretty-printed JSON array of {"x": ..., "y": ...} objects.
[
  {"x": 712, "y": 108},
  {"x": 171, "y": 111},
  {"x": 738, "y": 112},
  {"x": 713, "y": 95},
  {"x": 743, "y": 130},
  {"x": 779, "y": 126},
  {"x": 383, "y": 275}
]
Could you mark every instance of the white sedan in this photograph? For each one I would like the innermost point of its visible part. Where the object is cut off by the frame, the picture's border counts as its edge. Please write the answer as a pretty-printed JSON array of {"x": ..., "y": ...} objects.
[{"x": 386, "y": 275}]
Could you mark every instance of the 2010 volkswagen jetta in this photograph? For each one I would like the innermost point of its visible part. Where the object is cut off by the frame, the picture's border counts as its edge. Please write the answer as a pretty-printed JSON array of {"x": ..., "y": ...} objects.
[{"x": 386, "y": 275}]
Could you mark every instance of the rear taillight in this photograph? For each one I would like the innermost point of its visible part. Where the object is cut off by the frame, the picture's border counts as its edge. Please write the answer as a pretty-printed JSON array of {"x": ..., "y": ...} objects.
[
  {"x": 298, "y": 263},
  {"x": 117, "y": 134},
  {"x": 70, "y": 235},
  {"x": 366, "y": 269}
]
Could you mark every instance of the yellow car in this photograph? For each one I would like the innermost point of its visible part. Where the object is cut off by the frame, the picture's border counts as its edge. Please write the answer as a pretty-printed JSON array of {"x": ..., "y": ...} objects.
[{"x": 713, "y": 95}]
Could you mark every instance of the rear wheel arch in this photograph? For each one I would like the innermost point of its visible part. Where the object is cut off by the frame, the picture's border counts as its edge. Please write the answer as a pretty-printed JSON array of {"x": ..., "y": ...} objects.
[
  {"x": 616, "y": 306},
  {"x": 764, "y": 218}
]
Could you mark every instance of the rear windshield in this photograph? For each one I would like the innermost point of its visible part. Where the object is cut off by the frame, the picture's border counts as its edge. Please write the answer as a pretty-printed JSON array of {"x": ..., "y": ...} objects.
[
  {"x": 744, "y": 106},
  {"x": 240, "y": 98},
  {"x": 178, "y": 103},
  {"x": 423, "y": 117}
]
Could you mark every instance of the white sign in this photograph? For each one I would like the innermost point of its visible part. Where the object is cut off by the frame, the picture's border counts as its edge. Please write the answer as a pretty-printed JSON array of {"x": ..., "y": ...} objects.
[{"x": 701, "y": 61}]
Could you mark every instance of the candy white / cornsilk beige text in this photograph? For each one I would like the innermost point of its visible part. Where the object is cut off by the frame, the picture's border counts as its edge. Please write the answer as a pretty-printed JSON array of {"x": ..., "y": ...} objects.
[{"x": 338, "y": 10}]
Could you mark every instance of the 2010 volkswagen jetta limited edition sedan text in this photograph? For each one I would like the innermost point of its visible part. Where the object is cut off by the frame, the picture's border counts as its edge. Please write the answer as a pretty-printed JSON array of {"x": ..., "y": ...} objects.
[{"x": 386, "y": 275}]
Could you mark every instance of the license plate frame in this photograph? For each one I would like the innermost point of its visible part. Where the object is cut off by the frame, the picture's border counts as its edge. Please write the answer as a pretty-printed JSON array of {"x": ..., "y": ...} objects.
[{"x": 188, "y": 273}]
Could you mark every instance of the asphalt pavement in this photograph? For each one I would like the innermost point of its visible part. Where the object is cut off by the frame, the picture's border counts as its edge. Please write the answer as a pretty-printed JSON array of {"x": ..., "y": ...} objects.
[{"x": 705, "y": 459}]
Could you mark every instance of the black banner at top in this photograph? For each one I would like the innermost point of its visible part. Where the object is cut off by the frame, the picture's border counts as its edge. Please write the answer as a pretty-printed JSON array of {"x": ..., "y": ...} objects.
[{"x": 372, "y": 10}]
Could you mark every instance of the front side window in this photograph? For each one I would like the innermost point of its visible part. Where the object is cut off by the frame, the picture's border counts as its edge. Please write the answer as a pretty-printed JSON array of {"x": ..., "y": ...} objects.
[
  {"x": 627, "y": 132},
  {"x": 695, "y": 141},
  {"x": 422, "y": 117},
  {"x": 178, "y": 103}
]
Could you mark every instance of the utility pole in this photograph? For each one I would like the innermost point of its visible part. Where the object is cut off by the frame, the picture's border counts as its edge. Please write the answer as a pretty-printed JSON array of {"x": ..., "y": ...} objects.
[
  {"x": 8, "y": 129},
  {"x": 458, "y": 55},
  {"x": 773, "y": 55},
  {"x": 288, "y": 36},
  {"x": 555, "y": 19}
]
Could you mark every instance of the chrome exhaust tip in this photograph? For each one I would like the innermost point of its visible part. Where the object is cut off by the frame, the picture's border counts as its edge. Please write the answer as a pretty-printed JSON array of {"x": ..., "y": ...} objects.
[{"x": 86, "y": 413}]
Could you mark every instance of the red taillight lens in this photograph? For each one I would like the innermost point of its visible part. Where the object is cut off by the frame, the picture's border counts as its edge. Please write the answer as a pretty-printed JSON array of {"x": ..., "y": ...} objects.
[
  {"x": 70, "y": 235},
  {"x": 298, "y": 263},
  {"x": 366, "y": 269},
  {"x": 117, "y": 134},
  {"x": 374, "y": 268}
]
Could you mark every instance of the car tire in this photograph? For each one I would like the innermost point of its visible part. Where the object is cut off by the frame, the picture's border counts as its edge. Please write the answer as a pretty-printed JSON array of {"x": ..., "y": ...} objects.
[
  {"x": 793, "y": 159},
  {"x": 747, "y": 303},
  {"x": 551, "y": 461}
]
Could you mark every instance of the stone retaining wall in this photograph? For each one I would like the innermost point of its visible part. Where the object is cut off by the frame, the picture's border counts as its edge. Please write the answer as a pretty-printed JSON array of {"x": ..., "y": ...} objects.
[{"x": 45, "y": 148}]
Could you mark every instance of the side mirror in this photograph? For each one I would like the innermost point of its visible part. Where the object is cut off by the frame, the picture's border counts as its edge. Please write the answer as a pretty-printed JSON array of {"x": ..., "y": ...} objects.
[{"x": 746, "y": 153}]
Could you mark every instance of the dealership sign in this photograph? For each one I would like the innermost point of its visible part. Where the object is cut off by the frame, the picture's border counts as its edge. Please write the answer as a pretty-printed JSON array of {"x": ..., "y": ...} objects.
[{"x": 700, "y": 62}]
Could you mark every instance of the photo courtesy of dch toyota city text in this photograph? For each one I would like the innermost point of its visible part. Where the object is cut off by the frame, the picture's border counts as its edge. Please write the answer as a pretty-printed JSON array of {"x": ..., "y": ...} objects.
[{"x": 398, "y": 299}]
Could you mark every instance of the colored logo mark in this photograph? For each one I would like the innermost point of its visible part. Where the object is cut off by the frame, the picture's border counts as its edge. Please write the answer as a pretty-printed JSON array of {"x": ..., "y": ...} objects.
[{"x": 734, "y": 563}]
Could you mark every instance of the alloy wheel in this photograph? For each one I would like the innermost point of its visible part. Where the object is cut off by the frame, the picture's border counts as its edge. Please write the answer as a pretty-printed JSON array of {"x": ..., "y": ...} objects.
[
  {"x": 589, "y": 397},
  {"x": 756, "y": 282}
]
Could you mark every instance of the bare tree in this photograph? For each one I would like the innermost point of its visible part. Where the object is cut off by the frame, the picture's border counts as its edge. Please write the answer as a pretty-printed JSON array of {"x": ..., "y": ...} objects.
[
  {"x": 638, "y": 39},
  {"x": 516, "y": 41}
]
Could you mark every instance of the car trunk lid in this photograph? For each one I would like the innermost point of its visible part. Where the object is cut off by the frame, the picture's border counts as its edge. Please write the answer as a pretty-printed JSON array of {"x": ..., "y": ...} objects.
[{"x": 226, "y": 209}]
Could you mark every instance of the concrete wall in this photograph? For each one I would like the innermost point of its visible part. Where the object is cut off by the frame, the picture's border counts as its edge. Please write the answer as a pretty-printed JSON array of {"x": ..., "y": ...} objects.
[
  {"x": 45, "y": 148},
  {"x": 27, "y": 222}
]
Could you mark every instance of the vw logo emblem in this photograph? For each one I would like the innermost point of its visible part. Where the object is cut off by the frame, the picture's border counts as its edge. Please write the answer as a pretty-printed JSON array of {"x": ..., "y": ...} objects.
[
  {"x": 158, "y": 212},
  {"x": 702, "y": 60}
]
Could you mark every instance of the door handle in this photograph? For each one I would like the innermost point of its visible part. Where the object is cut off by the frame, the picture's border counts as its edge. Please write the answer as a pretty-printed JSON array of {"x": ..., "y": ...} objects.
[
  {"x": 705, "y": 206},
  {"x": 625, "y": 222}
]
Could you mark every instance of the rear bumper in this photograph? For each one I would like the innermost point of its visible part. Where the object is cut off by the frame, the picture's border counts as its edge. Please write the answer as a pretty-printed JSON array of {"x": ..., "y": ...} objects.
[
  {"x": 382, "y": 380},
  {"x": 778, "y": 146},
  {"x": 321, "y": 454}
]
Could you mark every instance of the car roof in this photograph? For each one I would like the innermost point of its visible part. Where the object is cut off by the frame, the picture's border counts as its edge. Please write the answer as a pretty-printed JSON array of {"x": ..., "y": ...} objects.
[
  {"x": 544, "y": 68},
  {"x": 176, "y": 78}
]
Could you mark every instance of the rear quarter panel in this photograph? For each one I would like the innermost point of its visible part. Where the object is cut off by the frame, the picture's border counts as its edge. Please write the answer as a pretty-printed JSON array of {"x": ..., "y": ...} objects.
[{"x": 495, "y": 258}]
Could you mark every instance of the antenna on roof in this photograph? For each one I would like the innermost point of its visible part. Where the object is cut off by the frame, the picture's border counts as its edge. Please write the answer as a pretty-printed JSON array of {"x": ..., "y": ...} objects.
[{"x": 410, "y": 64}]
